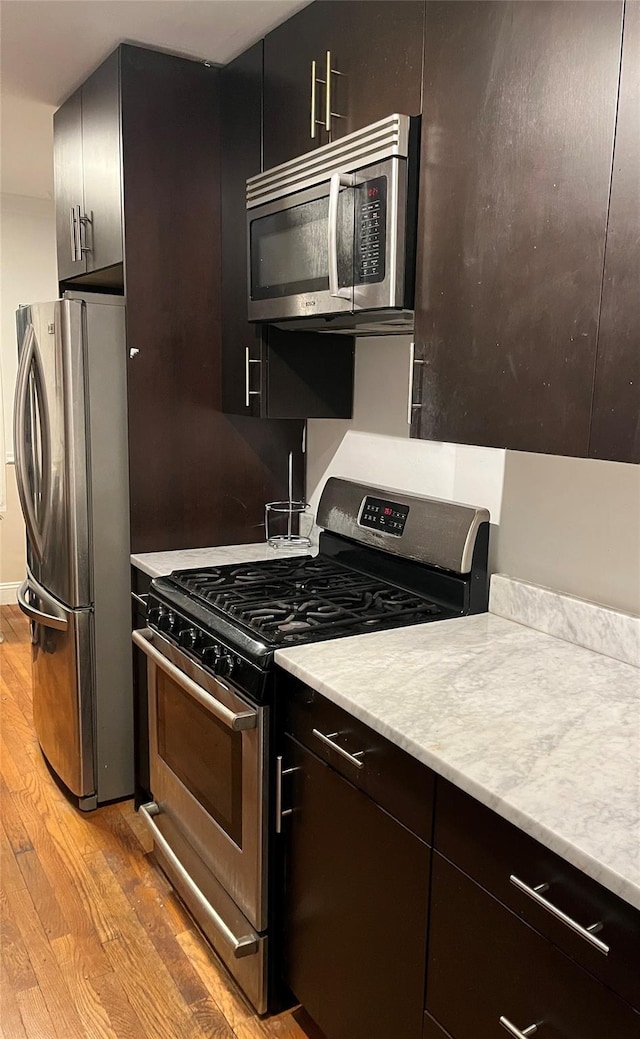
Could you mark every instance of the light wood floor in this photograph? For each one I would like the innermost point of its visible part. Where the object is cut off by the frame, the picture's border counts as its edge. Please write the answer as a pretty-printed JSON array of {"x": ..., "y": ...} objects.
[{"x": 94, "y": 944}]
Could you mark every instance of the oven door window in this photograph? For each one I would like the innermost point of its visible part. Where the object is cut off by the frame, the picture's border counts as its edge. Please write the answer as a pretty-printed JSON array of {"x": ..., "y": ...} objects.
[
  {"x": 203, "y": 753},
  {"x": 289, "y": 253}
]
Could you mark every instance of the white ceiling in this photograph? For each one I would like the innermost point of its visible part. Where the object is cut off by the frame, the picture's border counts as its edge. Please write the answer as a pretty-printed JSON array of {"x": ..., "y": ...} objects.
[{"x": 48, "y": 47}]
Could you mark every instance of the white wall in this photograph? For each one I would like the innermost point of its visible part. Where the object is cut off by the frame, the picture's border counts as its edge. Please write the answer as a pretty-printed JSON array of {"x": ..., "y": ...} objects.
[
  {"x": 27, "y": 274},
  {"x": 379, "y": 406}
]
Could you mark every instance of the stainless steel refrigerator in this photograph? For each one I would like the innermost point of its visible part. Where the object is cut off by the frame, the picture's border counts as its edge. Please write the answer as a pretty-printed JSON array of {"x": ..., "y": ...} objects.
[{"x": 70, "y": 444}]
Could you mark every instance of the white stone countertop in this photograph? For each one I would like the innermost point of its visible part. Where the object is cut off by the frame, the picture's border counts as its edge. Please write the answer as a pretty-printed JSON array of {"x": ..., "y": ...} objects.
[
  {"x": 157, "y": 564},
  {"x": 544, "y": 732}
]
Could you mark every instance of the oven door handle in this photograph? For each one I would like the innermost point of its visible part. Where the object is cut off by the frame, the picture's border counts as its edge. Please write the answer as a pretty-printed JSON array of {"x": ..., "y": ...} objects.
[
  {"x": 237, "y": 722},
  {"x": 245, "y": 945}
]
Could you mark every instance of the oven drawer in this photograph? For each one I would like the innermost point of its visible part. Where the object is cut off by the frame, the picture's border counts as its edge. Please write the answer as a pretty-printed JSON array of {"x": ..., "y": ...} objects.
[
  {"x": 392, "y": 778},
  {"x": 240, "y": 947},
  {"x": 488, "y": 970},
  {"x": 502, "y": 859}
]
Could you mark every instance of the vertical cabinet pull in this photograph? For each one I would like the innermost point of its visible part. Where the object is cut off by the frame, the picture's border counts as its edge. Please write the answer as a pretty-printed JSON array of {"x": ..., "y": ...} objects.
[
  {"x": 82, "y": 227},
  {"x": 328, "y": 114},
  {"x": 315, "y": 122},
  {"x": 248, "y": 392},
  {"x": 72, "y": 229},
  {"x": 77, "y": 223},
  {"x": 280, "y": 772},
  {"x": 413, "y": 360}
]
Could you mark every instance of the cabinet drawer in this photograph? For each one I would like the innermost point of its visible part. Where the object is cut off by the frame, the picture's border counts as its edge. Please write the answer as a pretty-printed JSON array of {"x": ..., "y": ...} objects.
[
  {"x": 392, "y": 778},
  {"x": 492, "y": 851},
  {"x": 506, "y": 970}
]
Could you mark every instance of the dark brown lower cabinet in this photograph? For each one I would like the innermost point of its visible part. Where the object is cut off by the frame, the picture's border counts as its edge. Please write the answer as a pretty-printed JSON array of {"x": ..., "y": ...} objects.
[
  {"x": 356, "y": 895},
  {"x": 488, "y": 970}
]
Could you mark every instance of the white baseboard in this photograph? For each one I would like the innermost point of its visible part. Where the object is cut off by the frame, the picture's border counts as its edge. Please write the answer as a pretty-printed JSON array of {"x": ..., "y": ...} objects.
[{"x": 8, "y": 591}]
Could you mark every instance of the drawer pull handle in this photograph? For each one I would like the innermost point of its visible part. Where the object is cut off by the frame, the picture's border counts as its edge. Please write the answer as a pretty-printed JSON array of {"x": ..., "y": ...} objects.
[
  {"x": 588, "y": 933},
  {"x": 515, "y": 1032},
  {"x": 328, "y": 741}
]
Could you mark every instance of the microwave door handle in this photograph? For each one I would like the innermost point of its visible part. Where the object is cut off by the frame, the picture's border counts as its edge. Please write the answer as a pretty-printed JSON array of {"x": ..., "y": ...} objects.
[{"x": 338, "y": 180}]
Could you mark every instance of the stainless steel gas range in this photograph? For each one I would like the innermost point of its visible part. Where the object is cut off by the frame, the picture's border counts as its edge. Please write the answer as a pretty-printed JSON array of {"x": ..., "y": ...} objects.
[{"x": 386, "y": 559}]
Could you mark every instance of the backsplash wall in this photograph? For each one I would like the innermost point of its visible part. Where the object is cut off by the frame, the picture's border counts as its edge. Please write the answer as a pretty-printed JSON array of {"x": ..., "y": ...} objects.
[{"x": 571, "y": 524}]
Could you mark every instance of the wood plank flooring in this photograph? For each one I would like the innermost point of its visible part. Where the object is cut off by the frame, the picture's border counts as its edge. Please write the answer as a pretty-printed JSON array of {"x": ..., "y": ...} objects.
[{"x": 94, "y": 945}]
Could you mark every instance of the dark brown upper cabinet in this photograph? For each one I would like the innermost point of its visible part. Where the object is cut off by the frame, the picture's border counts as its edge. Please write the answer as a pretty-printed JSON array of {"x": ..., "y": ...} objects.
[
  {"x": 517, "y": 139},
  {"x": 615, "y": 426},
  {"x": 266, "y": 373},
  {"x": 151, "y": 122},
  {"x": 88, "y": 192},
  {"x": 368, "y": 53}
]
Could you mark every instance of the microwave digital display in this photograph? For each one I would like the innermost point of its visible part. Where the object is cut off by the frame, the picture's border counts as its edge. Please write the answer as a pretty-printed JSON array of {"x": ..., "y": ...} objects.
[{"x": 370, "y": 231}]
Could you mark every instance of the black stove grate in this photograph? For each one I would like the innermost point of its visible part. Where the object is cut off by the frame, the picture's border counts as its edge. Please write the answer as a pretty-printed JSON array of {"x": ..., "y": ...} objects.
[{"x": 290, "y": 601}]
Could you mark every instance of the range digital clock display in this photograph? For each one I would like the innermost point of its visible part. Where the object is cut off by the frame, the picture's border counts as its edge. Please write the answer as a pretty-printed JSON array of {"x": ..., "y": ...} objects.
[{"x": 388, "y": 516}]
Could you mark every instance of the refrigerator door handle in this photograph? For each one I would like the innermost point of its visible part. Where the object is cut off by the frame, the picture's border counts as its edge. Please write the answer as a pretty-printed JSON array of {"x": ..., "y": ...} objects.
[
  {"x": 29, "y": 355},
  {"x": 55, "y": 619},
  {"x": 19, "y": 416}
]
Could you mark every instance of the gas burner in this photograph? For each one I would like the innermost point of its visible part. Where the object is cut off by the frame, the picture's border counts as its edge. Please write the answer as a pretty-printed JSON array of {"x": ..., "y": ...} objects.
[{"x": 290, "y": 600}]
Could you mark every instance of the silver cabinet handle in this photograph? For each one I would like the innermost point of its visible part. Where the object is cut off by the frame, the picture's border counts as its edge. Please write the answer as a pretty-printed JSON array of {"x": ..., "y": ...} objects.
[
  {"x": 315, "y": 122},
  {"x": 47, "y": 620},
  {"x": 328, "y": 741},
  {"x": 77, "y": 232},
  {"x": 239, "y": 722},
  {"x": 82, "y": 224},
  {"x": 515, "y": 1032},
  {"x": 72, "y": 230},
  {"x": 588, "y": 933},
  {"x": 328, "y": 114},
  {"x": 249, "y": 393},
  {"x": 280, "y": 772},
  {"x": 243, "y": 945},
  {"x": 413, "y": 360},
  {"x": 338, "y": 180}
]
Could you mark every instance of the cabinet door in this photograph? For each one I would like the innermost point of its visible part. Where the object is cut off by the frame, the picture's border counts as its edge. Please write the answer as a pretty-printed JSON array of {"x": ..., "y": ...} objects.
[
  {"x": 241, "y": 129},
  {"x": 376, "y": 55},
  {"x": 517, "y": 136},
  {"x": 67, "y": 159},
  {"x": 197, "y": 477},
  {"x": 102, "y": 165},
  {"x": 377, "y": 49},
  {"x": 485, "y": 966},
  {"x": 288, "y": 53},
  {"x": 615, "y": 427},
  {"x": 355, "y": 907}
]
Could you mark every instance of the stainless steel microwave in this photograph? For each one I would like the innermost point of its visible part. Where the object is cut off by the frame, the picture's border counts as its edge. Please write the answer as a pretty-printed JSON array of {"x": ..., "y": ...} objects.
[{"x": 331, "y": 235}]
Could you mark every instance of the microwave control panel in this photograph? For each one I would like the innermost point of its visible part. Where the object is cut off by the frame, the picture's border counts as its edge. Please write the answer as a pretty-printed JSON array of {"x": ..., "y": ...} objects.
[
  {"x": 388, "y": 516},
  {"x": 371, "y": 231}
]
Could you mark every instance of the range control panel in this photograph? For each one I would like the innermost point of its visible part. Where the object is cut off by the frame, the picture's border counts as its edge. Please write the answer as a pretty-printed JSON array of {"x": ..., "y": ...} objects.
[
  {"x": 387, "y": 516},
  {"x": 371, "y": 231}
]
